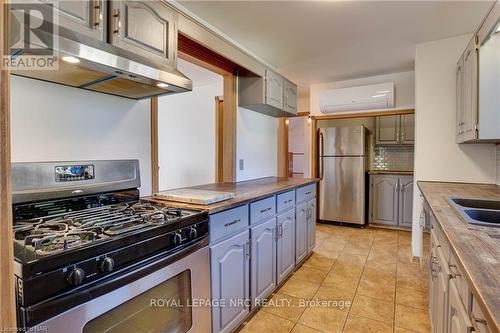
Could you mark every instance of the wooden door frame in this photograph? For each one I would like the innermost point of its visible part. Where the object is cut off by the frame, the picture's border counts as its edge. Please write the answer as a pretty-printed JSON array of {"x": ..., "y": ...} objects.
[
  {"x": 7, "y": 294},
  {"x": 283, "y": 147}
]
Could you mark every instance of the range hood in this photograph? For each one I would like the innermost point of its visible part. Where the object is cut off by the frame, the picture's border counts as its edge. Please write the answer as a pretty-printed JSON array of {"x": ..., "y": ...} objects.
[{"x": 102, "y": 67}]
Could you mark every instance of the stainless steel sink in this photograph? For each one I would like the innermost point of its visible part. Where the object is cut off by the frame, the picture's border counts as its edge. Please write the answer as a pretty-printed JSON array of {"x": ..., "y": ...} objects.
[{"x": 478, "y": 211}]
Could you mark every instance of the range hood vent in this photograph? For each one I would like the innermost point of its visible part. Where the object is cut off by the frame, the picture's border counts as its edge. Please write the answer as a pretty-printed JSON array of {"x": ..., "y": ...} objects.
[{"x": 102, "y": 67}]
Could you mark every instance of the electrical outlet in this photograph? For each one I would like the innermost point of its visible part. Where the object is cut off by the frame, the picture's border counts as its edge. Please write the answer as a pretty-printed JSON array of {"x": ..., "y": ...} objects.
[{"x": 242, "y": 164}]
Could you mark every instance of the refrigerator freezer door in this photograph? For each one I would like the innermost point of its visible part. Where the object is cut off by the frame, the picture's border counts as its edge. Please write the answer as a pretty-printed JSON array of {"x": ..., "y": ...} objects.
[
  {"x": 342, "y": 190},
  {"x": 341, "y": 141}
]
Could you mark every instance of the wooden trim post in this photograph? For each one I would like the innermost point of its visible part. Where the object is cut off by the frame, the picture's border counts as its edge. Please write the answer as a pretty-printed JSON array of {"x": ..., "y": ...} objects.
[
  {"x": 155, "y": 165},
  {"x": 229, "y": 129},
  {"x": 7, "y": 295},
  {"x": 282, "y": 164}
]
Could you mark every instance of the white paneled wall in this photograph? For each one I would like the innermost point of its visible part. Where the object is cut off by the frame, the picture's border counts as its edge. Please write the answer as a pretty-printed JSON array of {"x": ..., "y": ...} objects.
[
  {"x": 51, "y": 122},
  {"x": 256, "y": 145}
]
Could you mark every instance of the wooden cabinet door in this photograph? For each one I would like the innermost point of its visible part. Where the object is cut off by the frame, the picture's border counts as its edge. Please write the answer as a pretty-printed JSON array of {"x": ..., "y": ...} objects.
[
  {"x": 285, "y": 245},
  {"x": 387, "y": 129},
  {"x": 86, "y": 17},
  {"x": 470, "y": 84},
  {"x": 441, "y": 306},
  {"x": 311, "y": 226},
  {"x": 384, "y": 207},
  {"x": 301, "y": 226},
  {"x": 290, "y": 97},
  {"x": 458, "y": 319},
  {"x": 230, "y": 280},
  {"x": 433, "y": 285},
  {"x": 274, "y": 89},
  {"x": 146, "y": 28},
  {"x": 459, "y": 100},
  {"x": 263, "y": 260},
  {"x": 407, "y": 130},
  {"x": 405, "y": 206}
]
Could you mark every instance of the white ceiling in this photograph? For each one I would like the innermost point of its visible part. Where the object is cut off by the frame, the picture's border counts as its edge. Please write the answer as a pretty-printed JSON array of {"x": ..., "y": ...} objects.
[{"x": 321, "y": 41}]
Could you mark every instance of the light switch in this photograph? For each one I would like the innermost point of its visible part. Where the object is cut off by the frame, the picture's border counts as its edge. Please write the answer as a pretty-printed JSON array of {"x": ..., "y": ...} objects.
[{"x": 242, "y": 164}]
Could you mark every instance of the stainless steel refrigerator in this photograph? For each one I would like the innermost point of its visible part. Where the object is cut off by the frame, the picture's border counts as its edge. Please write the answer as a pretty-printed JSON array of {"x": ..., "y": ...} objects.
[{"x": 342, "y": 167}]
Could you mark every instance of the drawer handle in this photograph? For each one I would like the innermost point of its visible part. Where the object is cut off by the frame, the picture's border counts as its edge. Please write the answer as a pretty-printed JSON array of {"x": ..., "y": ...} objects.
[
  {"x": 231, "y": 223},
  {"x": 452, "y": 269},
  {"x": 265, "y": 210},
  {"x": 307, "y": 193},
  {"x": 117, "y": 23},
  {"x": 288, "y": 201},
  {"x": 479, "y": 320}
]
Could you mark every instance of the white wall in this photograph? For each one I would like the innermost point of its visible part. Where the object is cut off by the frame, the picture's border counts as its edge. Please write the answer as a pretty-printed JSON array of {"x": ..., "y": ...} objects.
[
  {"x": 256, "y": 144},
  {"x": 403, "y": 83},
  {"x": 437, "y": 156},
  {"x": 53, "y": 122},
  {"x": 498, "y": 164},
  {"x": 186, "y": 136}
]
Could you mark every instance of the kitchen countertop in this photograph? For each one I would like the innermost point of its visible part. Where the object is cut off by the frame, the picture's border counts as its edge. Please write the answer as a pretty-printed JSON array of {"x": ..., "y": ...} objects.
[
  {"x": 477, "y": 248},
  {"x": 245, "y": 192},
  {"x": 391, "y": 172}
]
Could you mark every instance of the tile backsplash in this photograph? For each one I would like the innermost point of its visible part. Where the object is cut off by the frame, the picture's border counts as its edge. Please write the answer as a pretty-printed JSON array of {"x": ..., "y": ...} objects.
[{"x": 393, "y": 157}]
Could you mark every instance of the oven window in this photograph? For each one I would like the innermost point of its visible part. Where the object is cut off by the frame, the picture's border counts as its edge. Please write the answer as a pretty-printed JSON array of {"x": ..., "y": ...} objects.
[{"x": 164, "y": 308}]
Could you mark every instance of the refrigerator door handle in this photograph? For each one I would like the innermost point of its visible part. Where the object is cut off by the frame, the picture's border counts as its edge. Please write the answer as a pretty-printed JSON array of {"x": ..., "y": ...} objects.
[{"x": 321, "y": 161}]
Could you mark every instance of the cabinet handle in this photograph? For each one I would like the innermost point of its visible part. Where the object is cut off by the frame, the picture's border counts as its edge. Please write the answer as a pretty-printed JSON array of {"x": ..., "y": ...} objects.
[
  {"x": 117, "y": 22},
  {"x": 280, "y": 231},
  {"x": 231, "y": 223},
  {"x": 479, "y": 320},
  {"x": 97, "y": 14},
  {"x": 247, "y": 249},
  {"x": 397, "y": 134},
  {"x": 454, "y": 273},
  {"x": 432, "y": 261},
  {"x": 265, "y": 210}
]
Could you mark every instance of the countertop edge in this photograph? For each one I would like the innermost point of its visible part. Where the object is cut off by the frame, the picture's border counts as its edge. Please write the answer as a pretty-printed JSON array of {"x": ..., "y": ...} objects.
[
  {"x": 472, "y": 285},
  {"x": 221, "y": 206}
]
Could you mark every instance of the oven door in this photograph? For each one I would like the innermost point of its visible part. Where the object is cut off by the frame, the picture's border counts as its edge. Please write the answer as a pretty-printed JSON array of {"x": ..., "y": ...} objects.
[{"x": 166, "y": 300}]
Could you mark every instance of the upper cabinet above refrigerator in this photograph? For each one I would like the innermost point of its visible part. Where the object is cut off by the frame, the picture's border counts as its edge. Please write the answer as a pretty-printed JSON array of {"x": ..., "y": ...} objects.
[
  {"x": 272, "y": 95},
  {"x": 146, "y": 28},
  {"x": 478, "y": 84}
]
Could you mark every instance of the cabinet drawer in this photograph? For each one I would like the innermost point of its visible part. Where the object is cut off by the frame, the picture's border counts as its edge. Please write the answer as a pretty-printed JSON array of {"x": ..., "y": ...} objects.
[
  {"x": 262, "y": 210},
  {"x": 305, "y": 193},
  {"x": 285, "y": 201},
  {"x": 228, "y": 222},
  {"x": 460, "y": 282}
]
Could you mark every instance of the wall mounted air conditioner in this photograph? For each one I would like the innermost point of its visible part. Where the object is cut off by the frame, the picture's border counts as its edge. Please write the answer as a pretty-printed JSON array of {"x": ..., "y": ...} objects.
[{"x": 375, "y": 96}]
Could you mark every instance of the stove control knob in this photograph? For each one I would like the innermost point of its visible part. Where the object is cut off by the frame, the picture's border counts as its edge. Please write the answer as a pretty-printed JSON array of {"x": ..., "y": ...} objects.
[
  {"x": 193, "y": 233},
  {"x": 76, "y": 276},
  {"x": 107, "y": 265},
  {"x": 177, "y": 240}
]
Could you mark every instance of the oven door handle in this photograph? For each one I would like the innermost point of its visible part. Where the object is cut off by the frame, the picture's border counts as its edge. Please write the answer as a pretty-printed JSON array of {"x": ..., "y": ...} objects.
[{"x": 35, "y": 314}]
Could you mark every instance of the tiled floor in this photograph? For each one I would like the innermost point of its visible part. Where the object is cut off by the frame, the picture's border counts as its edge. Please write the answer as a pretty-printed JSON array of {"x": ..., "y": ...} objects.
[{"x": 370, "y": 267}]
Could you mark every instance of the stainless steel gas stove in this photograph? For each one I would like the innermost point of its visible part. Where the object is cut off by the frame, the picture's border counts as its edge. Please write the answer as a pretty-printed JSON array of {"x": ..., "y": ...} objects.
[{"x": 89, "y": 252}]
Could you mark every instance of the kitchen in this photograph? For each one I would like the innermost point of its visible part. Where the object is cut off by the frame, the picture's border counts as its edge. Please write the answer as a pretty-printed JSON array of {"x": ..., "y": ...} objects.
[{"x": 144, "y": 196}]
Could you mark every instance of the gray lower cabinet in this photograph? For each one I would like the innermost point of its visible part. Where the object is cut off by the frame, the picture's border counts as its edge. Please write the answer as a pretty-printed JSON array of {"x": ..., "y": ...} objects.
[
  {"x": 458, "y": 319},
  {"x": 146, "y": 28},
  {"x": 301, "y": 228},
  {"x": 285, "y": 250},
  {"x": 230, "y": 269},
  {"x": 311, "y": 225},
  {"x": 263, "y": 267},
  {"x": 391, "y": 200}
]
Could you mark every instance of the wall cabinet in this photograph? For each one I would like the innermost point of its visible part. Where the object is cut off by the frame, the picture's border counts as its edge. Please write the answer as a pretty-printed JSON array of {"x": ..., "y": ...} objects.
[
  {"x": 230, "y": 269},
  {"x": 86, "y": 17},
  {"x": 272, "y": 95},
  {"x": 396, "y": 129},
  {"x": 146, "y": 28},
  {"x": 285, "y": 245},
  {"x": 263, "y": 278},
  {"x": 391, "y": 200}
]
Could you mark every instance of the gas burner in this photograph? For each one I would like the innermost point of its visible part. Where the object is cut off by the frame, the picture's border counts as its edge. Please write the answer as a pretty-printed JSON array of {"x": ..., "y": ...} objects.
[
  {"x": 63, "y": 241},
  {"x": 171, "y": 211}
]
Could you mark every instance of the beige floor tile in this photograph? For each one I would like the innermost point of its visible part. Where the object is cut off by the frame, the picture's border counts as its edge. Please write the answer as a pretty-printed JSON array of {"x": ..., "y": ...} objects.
[
  {"x": 356, "y": 324},
  {"x": 285, "y": 306},
  {"x": 332, "y": 292},
  {"x": 411, "y": 297},
  {"x": 266, "y": 322},
  {"x": 353, "y": 248},
  {"x": 303, "y": 329},
  {"x": 402, "y": 330},
  {"x": 347, "y": 269},
  {"x": 299, "y": 288},
  {"x": 310, "y": 274},
  {"x": 373, "y": 308},
  {"x": 378, "y": 288},
  {"x": 341, "y": 281},
  {"x": 386, "y": 264},
  {"x": 319, "y": 262},
  {"x": 324, "y": 318},
  {"x": 414, "y": 269},
  {"x": 352, "y": 259},
  {"x": 413, "y": 319},
  {"x": 325, "y": 251},
  {"x": 413, "y": 282}
]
